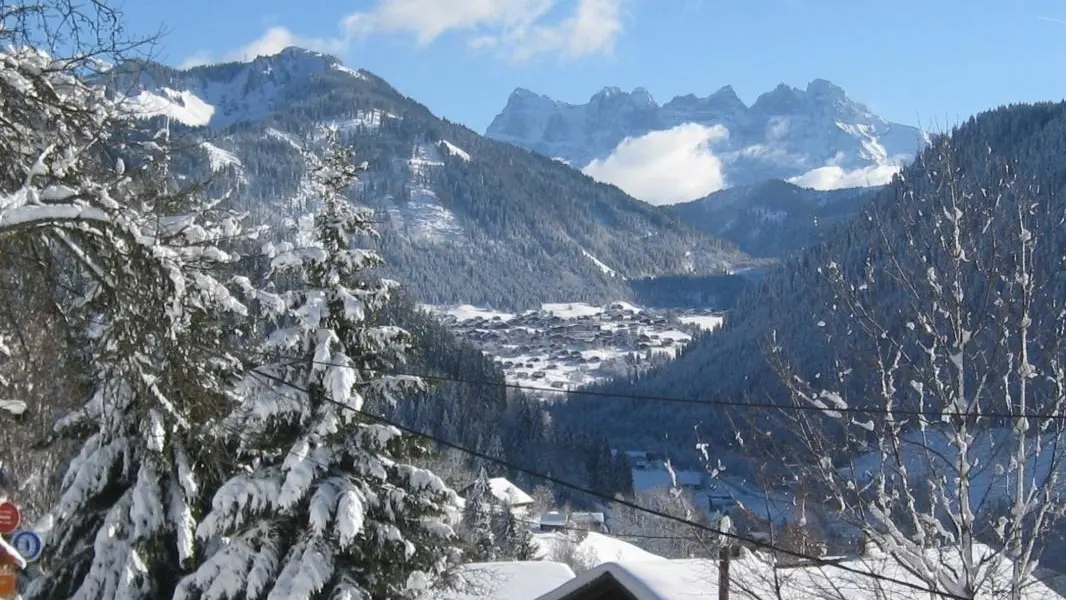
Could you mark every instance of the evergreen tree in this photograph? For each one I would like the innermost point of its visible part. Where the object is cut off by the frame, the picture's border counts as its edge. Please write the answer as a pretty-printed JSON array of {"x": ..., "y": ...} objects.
[
  {"x": 477, "y": 523},
  {"x": 515, "y": 537},
  {"x": 327, "y": 506}
]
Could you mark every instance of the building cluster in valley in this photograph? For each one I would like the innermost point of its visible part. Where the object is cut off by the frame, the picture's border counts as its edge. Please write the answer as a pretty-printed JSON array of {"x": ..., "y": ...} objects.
[{"x": 564, "y": 346}]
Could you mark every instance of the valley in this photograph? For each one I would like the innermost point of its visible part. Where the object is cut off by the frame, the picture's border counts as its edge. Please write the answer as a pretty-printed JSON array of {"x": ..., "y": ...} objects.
[{"x": 564, "y": 346}]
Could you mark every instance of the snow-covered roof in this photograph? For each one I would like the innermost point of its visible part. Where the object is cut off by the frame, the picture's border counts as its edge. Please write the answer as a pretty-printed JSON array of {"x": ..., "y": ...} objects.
[
  {"x": 505, "y": 491},
  {"x": 753, "y": 577},
  {"x": 595, "y": 549},
  {"x": 505, "y": 581}
]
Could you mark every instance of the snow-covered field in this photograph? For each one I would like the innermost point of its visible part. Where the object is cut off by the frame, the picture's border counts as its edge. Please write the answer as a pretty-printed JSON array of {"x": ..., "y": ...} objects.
[{"x": 566, "y": 345}]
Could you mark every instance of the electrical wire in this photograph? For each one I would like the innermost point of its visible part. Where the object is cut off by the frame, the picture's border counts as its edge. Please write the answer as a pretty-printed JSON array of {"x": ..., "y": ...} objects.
[{"x": 752, "y": 542}]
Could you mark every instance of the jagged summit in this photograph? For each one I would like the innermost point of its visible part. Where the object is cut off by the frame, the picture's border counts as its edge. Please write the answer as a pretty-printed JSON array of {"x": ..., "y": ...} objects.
[{"x": 786, "y": 133}]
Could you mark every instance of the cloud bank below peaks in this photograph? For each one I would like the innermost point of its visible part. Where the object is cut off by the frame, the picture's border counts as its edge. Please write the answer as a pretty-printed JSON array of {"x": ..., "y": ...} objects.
[
  {"x": 665, "y": 167},
  {"x": 834, "y": 177}
]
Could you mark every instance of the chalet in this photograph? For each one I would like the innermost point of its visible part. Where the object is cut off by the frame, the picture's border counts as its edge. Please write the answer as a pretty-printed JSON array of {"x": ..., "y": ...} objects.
[
  {"x": 553, "y": 521},
  {"x": 506, "y": 494}
]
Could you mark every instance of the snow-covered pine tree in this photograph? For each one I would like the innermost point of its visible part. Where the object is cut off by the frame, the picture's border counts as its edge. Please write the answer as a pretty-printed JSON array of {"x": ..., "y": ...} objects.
[
  {"x": 477, "y": 523},
  {"x": 325, "y": 506},
  {"x": 515, "y": 537},
  {"x": 140, "y": 289}
]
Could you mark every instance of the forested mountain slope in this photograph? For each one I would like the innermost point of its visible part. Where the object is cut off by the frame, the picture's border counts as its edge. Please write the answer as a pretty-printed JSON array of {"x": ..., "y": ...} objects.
[
  {"x": 774, "y": 218},
  {"x": 796, "y": 300},
  {"x": 463, "y": 218}
]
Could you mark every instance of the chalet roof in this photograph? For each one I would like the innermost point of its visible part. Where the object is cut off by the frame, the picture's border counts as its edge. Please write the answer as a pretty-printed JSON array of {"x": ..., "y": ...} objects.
[{"x": 505, "y": 491}]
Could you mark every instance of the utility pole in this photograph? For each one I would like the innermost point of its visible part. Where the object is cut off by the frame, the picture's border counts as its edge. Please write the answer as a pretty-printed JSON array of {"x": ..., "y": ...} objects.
[{"x": 723, "y": 572}]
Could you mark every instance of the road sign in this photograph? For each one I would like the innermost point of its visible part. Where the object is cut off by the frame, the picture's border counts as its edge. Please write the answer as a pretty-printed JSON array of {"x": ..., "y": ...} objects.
[
  {"x": 29, "y": 544},
  {"x": 9, "y": 582},
  {"x": 10, "y": 517}
]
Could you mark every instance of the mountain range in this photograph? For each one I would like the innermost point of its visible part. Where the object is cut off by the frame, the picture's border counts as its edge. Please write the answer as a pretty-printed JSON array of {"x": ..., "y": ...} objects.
[
  {"x": 816, "y": 137},
  {"x": 463, "y": 218}
]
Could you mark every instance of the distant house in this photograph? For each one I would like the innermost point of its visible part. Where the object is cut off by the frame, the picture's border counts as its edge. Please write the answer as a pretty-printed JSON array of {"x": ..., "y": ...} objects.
[
  {"x": 505, "y": 493},
  {"x": 556, "y": 520},
  {"x": 553, "y": 521}
]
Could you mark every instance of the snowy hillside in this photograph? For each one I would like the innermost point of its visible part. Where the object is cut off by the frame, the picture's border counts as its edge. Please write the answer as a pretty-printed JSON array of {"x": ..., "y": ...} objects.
[{"x": 816, "y": 137}]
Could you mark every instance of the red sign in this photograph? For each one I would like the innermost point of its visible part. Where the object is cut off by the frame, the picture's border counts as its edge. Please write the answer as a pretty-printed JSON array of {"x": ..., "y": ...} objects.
[{"x": 10, "y": 517}]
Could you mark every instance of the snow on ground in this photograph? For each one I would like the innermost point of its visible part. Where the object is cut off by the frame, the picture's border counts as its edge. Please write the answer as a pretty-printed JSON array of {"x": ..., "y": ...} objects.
[
  {"x": 422, "y": 216},
  {"x": 349, "y": 71},
  {"x": 570, "y": 310},
  {"x": 505, "y": 581},
  {"x": 182, "y": 106},
  {"x": 466, "y": 312},
  {"x": 219, "y": 158},
  {"x": 285, "y": 137},
  {"x": 602, "y": 266},
  {"x": 455, "y": 150},
  {"x": 708, "y": 322},
  {"x": 595, "y": 549},
  {"x": 363, "y": 119}
]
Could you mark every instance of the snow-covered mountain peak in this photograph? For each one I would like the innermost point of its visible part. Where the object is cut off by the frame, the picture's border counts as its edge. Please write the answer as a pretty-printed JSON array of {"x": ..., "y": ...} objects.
[
  {"x": 782, "y": 100},
  {"x": 816, "y": 136},
  {"x": 223, "y": 94}
]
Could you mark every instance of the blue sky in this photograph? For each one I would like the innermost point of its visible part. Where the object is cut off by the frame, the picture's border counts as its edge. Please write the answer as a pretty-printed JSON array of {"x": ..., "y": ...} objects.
[{"x": 912, "y": 61}]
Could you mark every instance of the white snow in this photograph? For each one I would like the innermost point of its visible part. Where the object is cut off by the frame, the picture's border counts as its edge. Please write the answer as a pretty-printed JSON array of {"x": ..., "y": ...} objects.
[
  {"x": 754, "y": 576},
  {"x": 505, "y": 581},
  {"x": 285, "y": 137},
  {"x": 708, "y": 322},
  {"x": 571, "y": 310},
  {"x": 505, "y": 491},
  {"x": 595, "y": 549},
  {"x": 599, "y": 263},
  {"x": 363, "y": 119},
  {"x": 182, "y": 106},
  {"x": 219, "y": 158},
  {"x": 466, "y": 312},
  {"x": 422, "y": 216},
  {"x": 347, "y": 70},
  {"x": 455, "y": 150}
]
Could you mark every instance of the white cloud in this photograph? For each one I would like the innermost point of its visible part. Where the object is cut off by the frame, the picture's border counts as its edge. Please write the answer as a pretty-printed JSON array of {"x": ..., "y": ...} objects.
[
  {"x": 274, "y": 40},
  {"x": 832, "y": 177},
  {"x": 518, "y": 30},
  {"x": 665, "y": 167}
]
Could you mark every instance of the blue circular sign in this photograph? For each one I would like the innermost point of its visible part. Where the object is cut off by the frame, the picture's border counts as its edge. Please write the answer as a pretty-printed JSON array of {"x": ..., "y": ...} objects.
[{"x": 29, "y": 544}]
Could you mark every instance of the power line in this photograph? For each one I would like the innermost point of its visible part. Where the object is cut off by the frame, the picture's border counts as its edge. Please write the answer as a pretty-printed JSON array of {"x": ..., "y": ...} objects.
[
  {"x": 720, "y": 402},
  {"x": 728, "y": 535}
]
